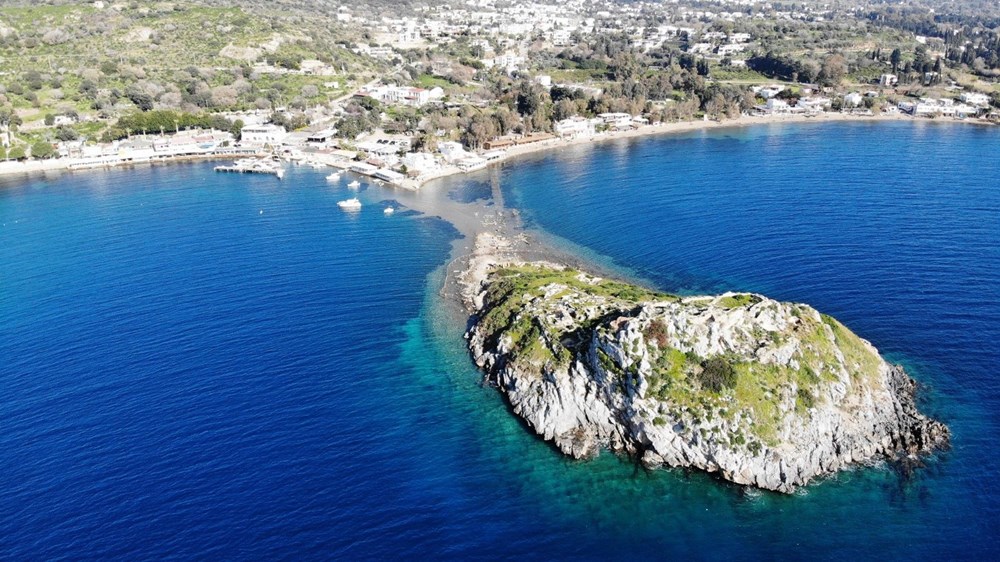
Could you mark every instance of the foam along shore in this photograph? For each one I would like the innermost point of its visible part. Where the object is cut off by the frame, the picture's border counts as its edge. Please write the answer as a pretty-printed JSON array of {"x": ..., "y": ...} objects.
[
  {"x": 763, "y": 393},
  {"x": 677, "y": 128}
]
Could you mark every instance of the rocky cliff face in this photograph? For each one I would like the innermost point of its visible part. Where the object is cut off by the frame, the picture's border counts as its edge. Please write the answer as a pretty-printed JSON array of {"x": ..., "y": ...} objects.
[{"x": 764, "y": 393}]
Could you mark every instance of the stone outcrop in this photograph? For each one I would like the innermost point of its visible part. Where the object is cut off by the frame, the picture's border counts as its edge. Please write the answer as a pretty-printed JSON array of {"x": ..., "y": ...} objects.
[{"x": 761, "y": 392}]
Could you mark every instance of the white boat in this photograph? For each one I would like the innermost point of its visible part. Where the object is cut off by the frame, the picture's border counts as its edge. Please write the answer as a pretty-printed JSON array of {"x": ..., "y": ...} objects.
[
  {"x": 354, "y": 184},
  {"x": 280, "y": 173},
  {"x": 352, "y": 204},
  {"x": 389, "y": 210},
  {"x": 333, "y": 177}
]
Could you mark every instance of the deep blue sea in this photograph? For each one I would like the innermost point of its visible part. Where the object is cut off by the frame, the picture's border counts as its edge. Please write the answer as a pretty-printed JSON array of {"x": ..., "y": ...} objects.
[{"x": 205, "y": 366}]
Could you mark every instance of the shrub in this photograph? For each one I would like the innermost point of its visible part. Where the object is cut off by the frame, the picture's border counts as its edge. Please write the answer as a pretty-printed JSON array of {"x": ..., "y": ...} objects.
[
  {"x": 805, "y": 399},
  {"x": 16, "y": 153},
  {"x": 657, "y": 332},
  {"x": 717, "y": 374},
  {"x": 65, "y": 133}
]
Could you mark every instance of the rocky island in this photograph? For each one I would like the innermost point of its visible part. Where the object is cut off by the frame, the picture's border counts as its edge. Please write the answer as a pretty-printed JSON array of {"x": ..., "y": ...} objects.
[{"x": 763, "y": 393}]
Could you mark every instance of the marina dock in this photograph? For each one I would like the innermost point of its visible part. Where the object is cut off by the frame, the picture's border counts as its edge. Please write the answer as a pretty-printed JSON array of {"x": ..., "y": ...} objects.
[{"x": 249, "y": 166}]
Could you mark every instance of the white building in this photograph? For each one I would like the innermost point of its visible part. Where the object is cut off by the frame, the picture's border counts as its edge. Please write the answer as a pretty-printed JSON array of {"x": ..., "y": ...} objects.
[
  {"x": 888, "y": 80},
  {"x": 975, "y": 98},
  {"x": 775, "y": 105},
  {"x": 938, "y": 107},
  {"x": 419, "y": 162},
  {"x": 575, "y": 126},
  {"x": 814, "y": 104},
  {"x": 260, "y": 135},
  {"x": 508, "y": 61},
  {"x": 853, "y": 99},
  {"x": 731, "y": 49},
  {"x": 562, "y": 38},
  {"x": 392, "y": 94},
  {"x": 452, "y": 151},
  {"x": 768, "y": 92},
  {"x": 616, "y": 120}
]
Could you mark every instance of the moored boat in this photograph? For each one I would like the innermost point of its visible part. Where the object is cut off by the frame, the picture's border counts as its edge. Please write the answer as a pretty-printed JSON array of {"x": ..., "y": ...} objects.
[{"x": 352, "y": 204}]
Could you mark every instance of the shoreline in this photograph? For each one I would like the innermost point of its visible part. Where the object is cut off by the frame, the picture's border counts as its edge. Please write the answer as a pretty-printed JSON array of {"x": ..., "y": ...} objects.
[
  {"x": 494, "y": 232},
  {"x": 43, "y": 167},
  {"x": 677, "y": 127},
  {"x": 415, "y": 184}
]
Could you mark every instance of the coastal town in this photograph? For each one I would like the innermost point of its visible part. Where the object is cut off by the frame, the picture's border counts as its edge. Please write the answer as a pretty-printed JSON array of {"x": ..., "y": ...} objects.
[{"x": 442, "y": 89}]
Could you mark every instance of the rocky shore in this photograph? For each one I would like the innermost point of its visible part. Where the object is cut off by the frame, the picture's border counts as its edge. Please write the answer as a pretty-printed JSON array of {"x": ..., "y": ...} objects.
[{"x": 761, "y": 392}]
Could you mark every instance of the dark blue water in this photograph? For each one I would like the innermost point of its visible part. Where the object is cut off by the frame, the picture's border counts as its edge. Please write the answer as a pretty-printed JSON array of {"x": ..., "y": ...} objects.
[{"x": 206, "y": 366}]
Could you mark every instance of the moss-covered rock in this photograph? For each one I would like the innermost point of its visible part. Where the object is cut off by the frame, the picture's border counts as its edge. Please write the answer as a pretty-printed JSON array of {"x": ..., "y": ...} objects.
[{"x": 765, "y": 393}]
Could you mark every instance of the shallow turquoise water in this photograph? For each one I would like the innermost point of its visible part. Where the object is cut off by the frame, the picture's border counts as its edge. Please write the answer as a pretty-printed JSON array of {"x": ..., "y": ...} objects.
[{"x": 220, "y": 366}]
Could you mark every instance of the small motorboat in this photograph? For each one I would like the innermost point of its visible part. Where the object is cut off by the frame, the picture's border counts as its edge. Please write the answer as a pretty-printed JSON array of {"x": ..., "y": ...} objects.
[
  {"x": 333, "y": 177},
  {"x": 352, "y": 204},
  {"x": 389, "y": 210},
  {"x": 354, "y": 184}
]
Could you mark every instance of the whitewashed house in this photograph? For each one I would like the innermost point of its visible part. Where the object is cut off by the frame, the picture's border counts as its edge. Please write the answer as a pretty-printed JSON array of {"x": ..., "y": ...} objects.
[
  {"x": 574, "y": 127},
  {"x": 419, "y": 163},
  {"x": 853, "y": 99},
  {"x": 616, "y": 120},
  {"x": 975, "y": 98},
  {"x": 259, "y": 135}
]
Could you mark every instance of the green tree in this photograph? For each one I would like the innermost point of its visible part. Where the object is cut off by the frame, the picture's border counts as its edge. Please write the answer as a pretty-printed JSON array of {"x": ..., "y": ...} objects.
[
  {"x": 237, "y": 129},
  {"x": 50, "y": 119},
  {"x": 527, "y": 99},
  {"x": 506, "y": 120},
  {"x": 141, "y": 99},
  {"x": 16, "y": 153},
  {"x": 9, "y": 119},
  {"x": 834, "y": 69},
  {"x": 895, "y": 58},
  {"x": 42, "y": 150},
  {"x": 480, "y": 129},
  {"x": 353, "y": 125},
  {"x": 563, "y": 109},
  {"x": 702, "y": 67},
  {"x": 624, "y": 67},
  {"x": 33, "y": 79},
  {"x": 65, "y": 133}
]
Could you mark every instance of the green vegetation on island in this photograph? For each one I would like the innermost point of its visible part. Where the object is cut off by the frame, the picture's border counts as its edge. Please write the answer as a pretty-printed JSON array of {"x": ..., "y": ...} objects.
[{"x": 681, "y": 377}]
